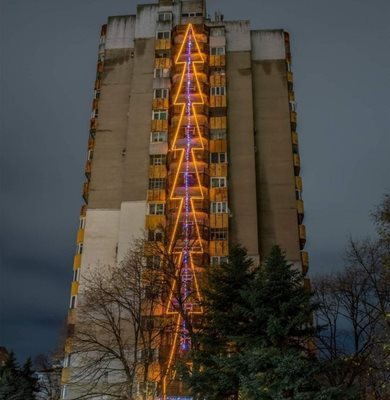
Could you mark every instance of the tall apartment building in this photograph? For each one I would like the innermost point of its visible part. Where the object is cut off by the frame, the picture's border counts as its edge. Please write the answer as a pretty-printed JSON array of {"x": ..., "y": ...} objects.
[{"x": 194, "y": 130}]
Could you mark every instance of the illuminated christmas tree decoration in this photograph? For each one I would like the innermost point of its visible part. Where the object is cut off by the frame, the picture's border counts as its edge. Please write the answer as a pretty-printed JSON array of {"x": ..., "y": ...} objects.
[{"x": 185, "y": 238}]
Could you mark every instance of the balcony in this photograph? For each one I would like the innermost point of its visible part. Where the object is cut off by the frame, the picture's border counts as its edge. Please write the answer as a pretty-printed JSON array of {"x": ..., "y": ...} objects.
[
  {"x": 302, "y": 235},
  {"x": 65, "y": 376},
  {"x": 294, "y": 140},
  {"x": 218, "y": 101},
  {"x": 163, "y": 44},
  {"x": 300, "y": 207},
  {"x": 297, "y": 164},
  {"x": 298, "y": 183},
  {"x": 162, "y": 62},
  {"x": 86, "y": 191},
  {"x": 218, "y": 146},
  {"x": 77, "y": 261},
  {"x": 217, "y": 61},
  {"x": 80, "y": 236},
  {"x": 217, "y": 80},
  {"x": 157, "y": 171},
  {"x": 218, "y": 170},
  {"x": 305, "y": 261},
  {"x": 307, "y": 284},
  {"x": 157, "y": 195},
  {"x": 291, "y": 96},
  {"x": 88, "y": 169},
  {"x": 154, "y": 222},
  {"x": 74, "y": 289},
  {"x": 159, "y": 104},
  {"x": 83, "y": 211},
  {"x": 290, "y": 77},
  {"x": 219, "y": 220},
  {"x": 218, "y": 194},
  {"x": 93, "y": 124},
  {"x": 218, "y": 123},
  {"x": 219, "y": 248},
  {"x": 159, "y": 125}
]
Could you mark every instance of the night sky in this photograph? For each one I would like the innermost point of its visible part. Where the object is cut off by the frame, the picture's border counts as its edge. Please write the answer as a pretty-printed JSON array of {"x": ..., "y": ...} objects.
[{"x": 341, "y": 64}]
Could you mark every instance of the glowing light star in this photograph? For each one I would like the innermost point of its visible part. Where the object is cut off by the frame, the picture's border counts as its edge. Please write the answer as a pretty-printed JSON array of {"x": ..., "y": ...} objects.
[{"x": 185, "y": 240}]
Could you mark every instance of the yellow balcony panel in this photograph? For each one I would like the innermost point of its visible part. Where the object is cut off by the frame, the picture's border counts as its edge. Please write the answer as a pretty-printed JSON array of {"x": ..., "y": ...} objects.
[
  {"x": 157, "y": 195},
  {"x": 65, "y": 376},
  {"x": 80, "y": 236},
  {"x": 155, "y": 221},
  {"x": 218, "y": 101},
  {"x": 91, "y": 143},
  {"x": 218, "y": 146},
  {"x": 305, "y": 261},
  {"x": 159, "y": 125},
  {"x": 302, "y": 233},
  {"x": 300, "y": 207},
  {"x": 157, "y": 171},
  {"x": 217, "y": 61},
  {"x": 68, "y": 345},
  {"x": 218, "y": 194},
  {"x": 293, "y": 116},
  {"x": 74, "y": 288},
  {"x": 163, "y": 44},
  {"x": 291, "y": 96},
  {"x": 294, "y": 138},
  {"x": 159, "y": 104},
  {"x": 219, "y": 220},
  {"x": 218, "y": 170},
  {"x": 290, "y": 77},
  {"x": 162, "y": 63},
  {"x": 217, "y": 80},
  {"x": 218, "y": 123},
  {"x": 298, "y": 183},
  {"x": 72, "y": 314},
  {"x": 219, "y": 248},
  {"x": 77, "y": 261}
]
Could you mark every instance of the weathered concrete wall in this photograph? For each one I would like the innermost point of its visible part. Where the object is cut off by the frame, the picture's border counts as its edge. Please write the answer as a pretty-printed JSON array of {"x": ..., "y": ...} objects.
[{"x": 277, "y": 213}]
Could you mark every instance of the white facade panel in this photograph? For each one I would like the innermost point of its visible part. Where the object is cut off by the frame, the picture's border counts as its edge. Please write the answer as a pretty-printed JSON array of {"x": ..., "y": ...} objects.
[
  {"x": 131, "y": 225},
  {"x": 120, "y": 32},
  {"x": 268, "y": 45},
  {"x": 238, "y": 36}
]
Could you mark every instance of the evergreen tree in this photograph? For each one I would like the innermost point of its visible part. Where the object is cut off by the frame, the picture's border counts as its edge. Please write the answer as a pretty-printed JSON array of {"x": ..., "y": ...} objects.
[{"x": 255, "y": 335}]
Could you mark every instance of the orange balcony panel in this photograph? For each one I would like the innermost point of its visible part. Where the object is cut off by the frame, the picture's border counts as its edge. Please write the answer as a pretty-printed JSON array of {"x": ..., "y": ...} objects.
[
  {"x": 219, "y": 248},
  {"x": 162, "y": 63},
  {"x": 77, "y": 261},
  {"x": 83, "y": 211},
  {"x": 86, "y": 191},
  {"x": 157, "y": 195},
  {"x": 74, "y": 289},
  {"x": 91, "y": 143},
  {"x": 71, "y": 321},
  {"x": 93, "y": 123},
  {"x": 289, "y": 77},
  {"x": 305, "y": 261},
  {"x": 217, "y": 80},
  {"x": 65, "y": 376},
  {"x": 218, "y": 170},
  {"x": 218, "y": 146},
  {"x": 159, "y": 125},
  {"x": 88, "y": 168},
  {"x": 80, "y": 235},
  {"x": 217, "y": 61},
  {"x": 163, "y": 44},
  {"x": 157, "y": 171},
  {"x": 217, "y": 101},
  {"x": 298, "y": 183},
  {"x": 97, "y": 84},
  {"x": 100, "y": 67},
  {"x": 68, "y": 342},
  {"x": 302, "y": 235},
  {"x": 294, "y": 138},
  {"x": 297, "y": 163},
  {"x": 218, "y": 194},
  {"x": 300, "y": 207},
  {"x": 155, "y": 221},
  {"x": 291, "y": 96},
  {"x": 219, "y": 220},
  {"x": 159, "y": 104},
  {"x": 218, "y": 123}
]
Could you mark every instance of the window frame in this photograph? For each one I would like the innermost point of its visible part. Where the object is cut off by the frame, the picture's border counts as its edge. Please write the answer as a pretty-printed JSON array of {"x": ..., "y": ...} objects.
[
  {"x": 220, "y": 156},
  {"x": 219, "y": 207},
  {"x": 218, "y": 179},
  {"x": 218, "y": 91},
  {"x": 219, "y": 234},
  {"x": 161, "y": 181},
  {"x": 157, "y": 159},
  {"x": 164, "y": 92},
  {"x": 156, "y": 209},
  {"x": 160, "y": 135},
  {"x": 218, "y": 51},
  {"x": 159, "y": 114},
  {"x": 164, "y": 34}
]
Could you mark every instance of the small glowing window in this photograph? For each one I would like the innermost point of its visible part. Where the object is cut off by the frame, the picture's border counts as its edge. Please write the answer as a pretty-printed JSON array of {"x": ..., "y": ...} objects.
[{"x": 158, "y": 137}]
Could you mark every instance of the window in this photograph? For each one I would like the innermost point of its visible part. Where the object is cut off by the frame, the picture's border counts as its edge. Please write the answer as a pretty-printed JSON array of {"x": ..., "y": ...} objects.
[
  {"x": 217, "y": 135},
  {"x": 76, "y": 275},
  {"x": 79, "y": 248},
  {"x": 219, "y": 182},
  {"x": 156, "y": 183},
  {"x": 82, "y": 223},
  {"x": 73, "y": 302},
  {"x": 217, "y": 32},
  {"x": 158, "y": 137},
  {"x": 95, "y": 113},
  {"x": 153, "y": 262},
  {"x": 217, "y": 260},
  {"x": 146, "y": 387},
  {"x": 161, "y": 93},
  {"x": 164, "y": 16},
  {"x": 218, "y": 91},
  {"x": 156, "y": 209},
  {"x": 155, "y": 236},
  {"x": 218, "y": 158},
  {"x": 293, "y": 106},
  {"x": 161, "y": 73},
  {"x": 218, "y": 234},
  {"x": 163, "y": 35},
  {"x": 90, "y": 155},
  {"x": 160, "y": 115},
  {"x": 219, "y": 207},
  {"x": 64, "y": 392},
  {"x": 97, "y": 94},
  {"x": 192, "y": 14},
  {"x": 158, "y": 159},
  {"x": 66, "y": 360},
  {"x": 217, "y": 51}
]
